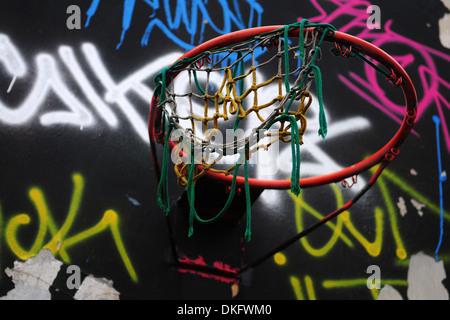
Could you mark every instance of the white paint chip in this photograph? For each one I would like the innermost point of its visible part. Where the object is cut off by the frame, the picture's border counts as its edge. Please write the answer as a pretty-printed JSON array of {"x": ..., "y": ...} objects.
[
  {"x": 96, "y": 289},
  {"x": 401, "y": 204},
  {"x": 425, "y": 277},
  {"x": 446, "y": 3},
  {"x": 33, "y": 277},
  {"x": 419, "y": 206},
  {"x": 444, "y": 30},
  {"x": 389, "y": 293},
  {"x": 444, "y": 27}
]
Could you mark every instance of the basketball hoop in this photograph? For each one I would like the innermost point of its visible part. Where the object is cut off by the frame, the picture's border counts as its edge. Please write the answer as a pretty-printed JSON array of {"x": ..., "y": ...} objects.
[{"x": 220, "y": 77}]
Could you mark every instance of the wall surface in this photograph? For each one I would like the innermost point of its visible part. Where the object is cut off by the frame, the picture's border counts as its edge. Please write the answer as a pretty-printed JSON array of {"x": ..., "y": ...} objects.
[{"x": 78, "y": 195}]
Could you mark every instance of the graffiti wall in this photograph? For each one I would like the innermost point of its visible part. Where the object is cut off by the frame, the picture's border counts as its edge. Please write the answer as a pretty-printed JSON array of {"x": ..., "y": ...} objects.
[{"x": 79, "y": 190}]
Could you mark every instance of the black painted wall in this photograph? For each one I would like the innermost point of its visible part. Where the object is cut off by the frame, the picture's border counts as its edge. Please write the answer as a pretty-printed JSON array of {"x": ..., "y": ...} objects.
[{"x": 76, "y": 167}]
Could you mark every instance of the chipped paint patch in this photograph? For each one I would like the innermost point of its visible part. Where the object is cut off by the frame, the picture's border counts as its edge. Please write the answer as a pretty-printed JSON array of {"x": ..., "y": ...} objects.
[
  {"x": 444, "y": 27},
  {"x": 401, "y": 204},
  {"x": 425, "y": 277},
  {"x": 96, "y": 289},
  {"x": 33, "y": 277},
  {"x": 419, "y": 206},
  {"x": 388, "y": 292}
]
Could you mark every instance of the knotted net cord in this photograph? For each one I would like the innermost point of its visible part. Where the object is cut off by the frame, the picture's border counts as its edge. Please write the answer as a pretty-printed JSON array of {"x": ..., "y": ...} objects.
[{"x": 234, "y": 98}]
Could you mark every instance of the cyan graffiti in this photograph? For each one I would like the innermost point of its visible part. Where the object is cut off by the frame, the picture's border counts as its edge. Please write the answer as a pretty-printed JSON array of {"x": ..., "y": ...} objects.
[{"x": 192, "y": 17}]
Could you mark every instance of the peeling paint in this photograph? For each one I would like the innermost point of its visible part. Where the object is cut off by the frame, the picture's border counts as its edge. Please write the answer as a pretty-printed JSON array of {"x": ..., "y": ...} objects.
[
  {"x": 425, "y": 277},
  {"x": 444, "y": 27},
  {"x": 401, "y": 204},
  {"x": 96, "y": 289},
  {"x": 388, "y": 292},
  {"x": 419, "y": 206},
  {"x": 33, "y": 277}
]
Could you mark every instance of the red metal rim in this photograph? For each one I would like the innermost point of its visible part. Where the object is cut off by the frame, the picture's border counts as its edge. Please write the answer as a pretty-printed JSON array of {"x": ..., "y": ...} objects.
[{"x": 387, "y": 153}]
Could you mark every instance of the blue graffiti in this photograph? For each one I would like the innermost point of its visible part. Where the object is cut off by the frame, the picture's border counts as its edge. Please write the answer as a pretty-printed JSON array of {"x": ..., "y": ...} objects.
[
  {"x": 442, "y": 178},
  {"x": 91, "y": 11},
  {"x": 187, "y": 15}
]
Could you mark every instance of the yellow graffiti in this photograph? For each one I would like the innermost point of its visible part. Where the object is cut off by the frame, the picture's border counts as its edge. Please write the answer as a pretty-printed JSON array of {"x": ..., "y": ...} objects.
[
  {"x": 110, "y": 220},
  {"x": 401, "y": 251},
  {"x": 350, "y": 283},
  {"x": 373, "y": 248},
  {"x": 388, "y": 175},
  {"x": 301, "y": 205},
  {"x": 59, "y": 242},
  {"x": 308, "y": 285},
  {"x": 343, "y": 224},
  {"x": 1, "y": 228},
  {"x": 296, "y": 285},
  {"x": 279, "y": 258}
]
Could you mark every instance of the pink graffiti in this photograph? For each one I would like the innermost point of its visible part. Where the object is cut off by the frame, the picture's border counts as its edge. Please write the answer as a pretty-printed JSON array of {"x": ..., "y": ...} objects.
[
  {"x": 419, "y": 61},
  {"x": 201, "y": 262}
]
